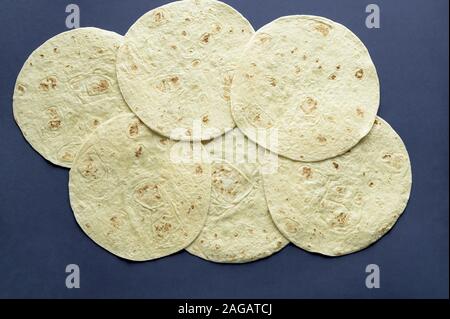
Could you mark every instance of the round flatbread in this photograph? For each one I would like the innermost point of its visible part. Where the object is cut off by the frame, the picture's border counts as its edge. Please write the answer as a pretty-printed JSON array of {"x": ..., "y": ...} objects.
[
  {"x": 309, "y": 80},
  {"x": 342, "y": 205},
  {"x": 130, "y": 196},
  {"x": 238, "y": 228},
  {"x": 66, "y": 88},
  {"x": 176, "y": 66}
]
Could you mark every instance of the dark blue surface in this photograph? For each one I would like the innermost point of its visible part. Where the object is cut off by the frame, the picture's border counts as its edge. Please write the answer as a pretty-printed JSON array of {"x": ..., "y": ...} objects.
[{"x": 39, "y": 236}]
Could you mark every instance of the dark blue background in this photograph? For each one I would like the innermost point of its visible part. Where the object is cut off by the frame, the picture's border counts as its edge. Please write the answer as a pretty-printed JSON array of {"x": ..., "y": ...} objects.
[{"x": 39, "y": 236}]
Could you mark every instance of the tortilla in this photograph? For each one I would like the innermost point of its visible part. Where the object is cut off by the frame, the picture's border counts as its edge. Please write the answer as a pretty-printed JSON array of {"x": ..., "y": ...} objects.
[
  {"x": 131, "y": 198},
  {"x": 66, "y": 88},
  {"x": 342, "y": 205},
  {"x": 238, "y": 228},
  {"x": 310, "y": 79},
  {"x": 176, "y": 66}
]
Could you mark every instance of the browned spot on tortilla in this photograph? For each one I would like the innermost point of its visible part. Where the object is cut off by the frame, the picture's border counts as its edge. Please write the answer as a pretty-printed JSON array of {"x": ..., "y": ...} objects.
[
  {"x": 336, "y": 165},
  {"x": 174, "y": 79},
  {"x": 304, "y": 57},
  {"x": 21, "y": 88},
  {"x": 134, "y": 67},
  {"x": 198, "y": 170},
  {"x": 163, "y": 227},
  {"x": 88, "y": 225},
  {"x": 264, "y": 38},
  {"x": 56, "y": 50},
  {"x": 205, "y": 38},
  {"x": 163, "y": 141},
  {"x": 273, "y": 81},
  {"x": 159, "y": 16},
  {"x": 41, "y": 55},
  {"x": 371, "y": 184},
  {"x": 321, "y": 139},
  {"x": 114, "y": 222},
  {"x": 332, "y": 77},
  {"x": 183, "y": 33},
  {"x": 48, "y": 83},
  {"x": 205, "y": 119},
  {"x": 307, "y": 172},
  {"x": 96, "y": 122},
  {"x": 338, "y": 67},
  {"x": 387, "y": 156},
  {"x": 248, "y": 76},
  {"x": 133, "y": 129},
  {"x": 359, "y": 74},
  {"x": 294, "y": 50},
  {"x": 67, "y": 157},
  {"x": 290, "y": 227},
  {"x": 297, "y": 70},
  {"x": 138, "y": 151},
  {"x": 309, "y": 105},
  {"x": 359, "y": 112},
  {"x": 323, "y": 29},
  {"x": 101, "y": 86},
  {"x": 173, "y": 47},
  {"x": 54, "y": 124},
  {"x": 342, "y": 219},
  {"x": 195, "y": 62}
]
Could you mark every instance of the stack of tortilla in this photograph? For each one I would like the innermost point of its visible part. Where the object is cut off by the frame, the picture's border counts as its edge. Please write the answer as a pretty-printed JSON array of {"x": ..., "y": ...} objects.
[{"x": 195, "y": 132}]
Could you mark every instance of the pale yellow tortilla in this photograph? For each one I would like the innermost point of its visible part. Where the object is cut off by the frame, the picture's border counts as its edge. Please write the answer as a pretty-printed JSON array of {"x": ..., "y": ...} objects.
[
  {"x": 176, "y": 67},
  {"x": 67, "y": 88},
  {"x": 310, "y": 79},
  {"x": 238, "y": 228},
  {"x": 131, "y": 198},
  {"x": 344, "y": 204}
]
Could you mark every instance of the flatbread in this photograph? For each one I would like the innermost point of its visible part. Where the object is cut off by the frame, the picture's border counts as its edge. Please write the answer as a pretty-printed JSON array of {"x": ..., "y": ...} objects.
[
  {"x": 238, "y": 228},
  {"x": 342, "y": 205},
  {"x": 176, "y": 67},
  {"x": 312, "y": 81},
  {"x": 66, "y": 88},
  {"x": 130, "y": 196}
]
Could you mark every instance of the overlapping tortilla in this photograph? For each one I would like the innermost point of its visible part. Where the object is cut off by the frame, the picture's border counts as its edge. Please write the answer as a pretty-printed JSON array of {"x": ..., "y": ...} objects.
[
  {"x": 67, "y": 88},
  {"x": 131, "y": 197},
  {"x": 238, "y": 228},
  {"x": 176, "y": 67},
  {"x": 310, "y": 79},
  {"x": 344, "y": 204}
]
